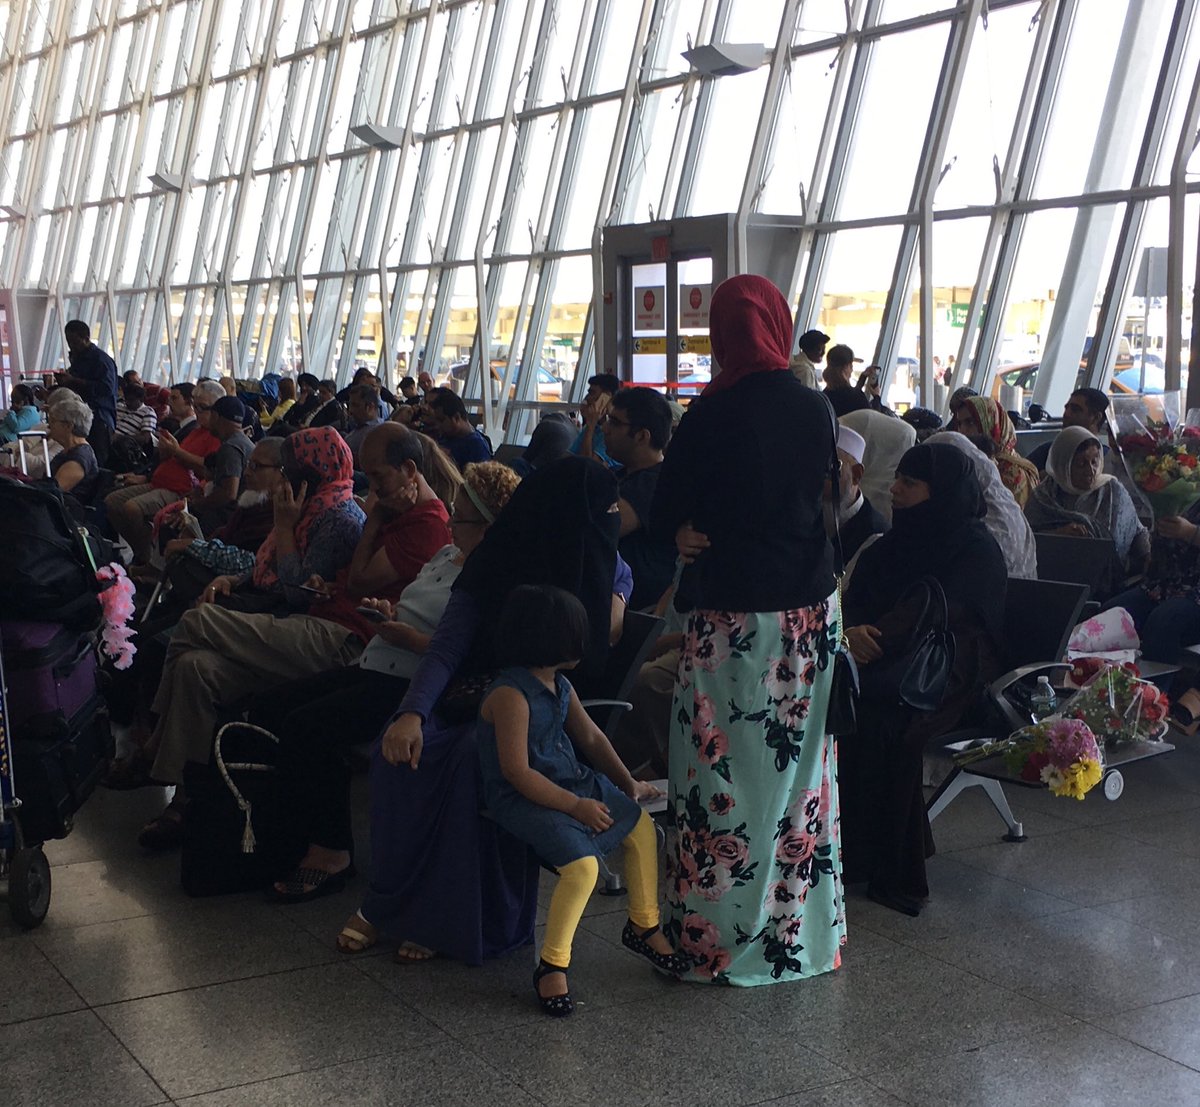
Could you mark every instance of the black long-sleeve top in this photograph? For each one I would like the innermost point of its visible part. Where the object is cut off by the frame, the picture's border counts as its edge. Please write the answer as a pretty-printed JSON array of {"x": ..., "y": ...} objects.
[{"x": 747, "y": 466}]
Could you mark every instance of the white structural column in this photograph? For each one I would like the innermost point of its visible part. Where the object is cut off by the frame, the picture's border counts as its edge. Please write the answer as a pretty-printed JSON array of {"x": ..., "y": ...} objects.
[
  {"x": 916, "y": 238},
  {"x": 827, "y": 202},
  {"x": 488, "y": 280},
  {"x": 981, "y": 335},
  {"x": 752, "y": 185},
  {"x": 1133, "y": 68},
  {"x": 1175, "y": 238},
  {"x": 567, "y": 160},
  {"x": 1169, "y": 90},
  {"x": 621, "y": 162}
]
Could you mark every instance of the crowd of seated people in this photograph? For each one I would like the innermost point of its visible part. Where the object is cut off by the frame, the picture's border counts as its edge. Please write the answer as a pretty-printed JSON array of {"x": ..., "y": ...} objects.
[{"x": 365, "y": 574}]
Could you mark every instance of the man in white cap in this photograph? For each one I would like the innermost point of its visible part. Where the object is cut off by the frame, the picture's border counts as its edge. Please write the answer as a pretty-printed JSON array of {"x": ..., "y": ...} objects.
[{"x": 857, "y": 520}]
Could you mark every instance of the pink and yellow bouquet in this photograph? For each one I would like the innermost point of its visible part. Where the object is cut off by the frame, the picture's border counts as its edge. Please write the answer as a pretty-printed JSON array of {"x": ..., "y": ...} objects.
[{"x": 1063, "y": 754}]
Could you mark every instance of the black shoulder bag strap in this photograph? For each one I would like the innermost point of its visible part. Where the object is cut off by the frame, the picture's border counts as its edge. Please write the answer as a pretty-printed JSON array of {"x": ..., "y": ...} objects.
[{"x": 841, "y": 717}]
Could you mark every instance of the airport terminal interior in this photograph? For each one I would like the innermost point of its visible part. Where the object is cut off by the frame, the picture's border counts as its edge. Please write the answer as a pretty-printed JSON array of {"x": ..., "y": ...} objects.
[{"x": 503, "y": 223}]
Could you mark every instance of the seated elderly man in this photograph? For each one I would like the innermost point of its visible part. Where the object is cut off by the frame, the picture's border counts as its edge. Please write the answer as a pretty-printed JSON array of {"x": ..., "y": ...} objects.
[
  {"x": 132, "y": 507},
  {"x": 857, "y": 520},
  {"x": 218, "y": 656}
]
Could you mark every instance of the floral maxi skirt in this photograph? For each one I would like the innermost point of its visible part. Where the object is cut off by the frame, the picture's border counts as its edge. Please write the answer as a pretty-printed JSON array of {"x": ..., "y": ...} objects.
[{"x": 754, "y": 889}]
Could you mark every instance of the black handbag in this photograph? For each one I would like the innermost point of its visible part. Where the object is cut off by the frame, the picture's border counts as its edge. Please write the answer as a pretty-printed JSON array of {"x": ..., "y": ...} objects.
[
  {"x": 459, "y": 703},
  {"x": 237, "y": 836},
  {"x": 918, "y": 675},
  {"x": 841, "y": 715}
]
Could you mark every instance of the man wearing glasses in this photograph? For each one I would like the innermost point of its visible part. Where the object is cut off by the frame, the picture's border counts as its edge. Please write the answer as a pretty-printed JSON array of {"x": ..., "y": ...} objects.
[
  {"x": 132, "y": 507},
  {"x": 636, "y": 431}
]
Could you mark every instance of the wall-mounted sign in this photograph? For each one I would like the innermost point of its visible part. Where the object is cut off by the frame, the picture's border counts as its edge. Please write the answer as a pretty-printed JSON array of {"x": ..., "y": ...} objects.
[
  {"x": 695, "y": 344},
  {"x": 693, "y": 305},
  {"x": 650, "y": 308},
  {"x": 650, "y": 345}
]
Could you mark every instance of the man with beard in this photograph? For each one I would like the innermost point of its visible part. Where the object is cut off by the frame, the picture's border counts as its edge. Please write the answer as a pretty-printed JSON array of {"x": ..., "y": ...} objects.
[{"x": 857, "y": 520}]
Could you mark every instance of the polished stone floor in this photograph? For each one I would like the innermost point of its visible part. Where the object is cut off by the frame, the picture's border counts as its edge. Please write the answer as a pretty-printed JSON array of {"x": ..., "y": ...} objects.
[{"x": 1065, "y": 970}]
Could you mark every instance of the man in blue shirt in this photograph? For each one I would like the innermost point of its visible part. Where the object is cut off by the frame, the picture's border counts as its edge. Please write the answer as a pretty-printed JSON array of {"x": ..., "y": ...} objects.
[
  {"x": 590, "y": 443},
  {"x": 453, "y": 430},
  {"x": 93, "y": 374}
]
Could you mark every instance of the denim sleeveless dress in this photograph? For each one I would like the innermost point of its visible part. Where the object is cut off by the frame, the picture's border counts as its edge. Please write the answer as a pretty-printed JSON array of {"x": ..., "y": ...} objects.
[{"x": 555, "y": 836}]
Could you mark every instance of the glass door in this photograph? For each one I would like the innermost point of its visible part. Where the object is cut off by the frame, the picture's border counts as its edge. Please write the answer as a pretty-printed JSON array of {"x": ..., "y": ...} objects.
[{"x": 667, "y": 324}]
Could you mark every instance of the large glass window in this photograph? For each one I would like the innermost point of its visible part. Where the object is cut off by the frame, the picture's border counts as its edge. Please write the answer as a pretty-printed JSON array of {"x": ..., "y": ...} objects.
[{"x": 313, "y": 194}]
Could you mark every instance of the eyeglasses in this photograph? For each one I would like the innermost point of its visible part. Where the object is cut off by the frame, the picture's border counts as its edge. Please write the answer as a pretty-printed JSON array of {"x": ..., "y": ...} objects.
[
  {"x": 258, "y": 467},
  {"x": 613, "y": 421},
  {"x": 201, "y": 407}
]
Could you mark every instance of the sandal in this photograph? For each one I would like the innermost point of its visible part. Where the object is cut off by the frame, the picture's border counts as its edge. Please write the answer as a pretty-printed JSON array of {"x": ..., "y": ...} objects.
[
  {"x": 410, "y": 953},
  {"x": 302, "y": 885},
  {"x": 557, "y": 1007},
  {"x": 127, "y": 773},
  {"x": 163, "y": 833},
  {"x": 352, "y": 940},
  {"x": 1185, "y": 709},
  {"x": 673, "y": 964}
]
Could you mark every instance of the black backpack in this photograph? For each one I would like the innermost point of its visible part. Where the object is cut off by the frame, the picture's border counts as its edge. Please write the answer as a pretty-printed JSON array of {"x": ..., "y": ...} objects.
[{"x": 48, "y": 560}]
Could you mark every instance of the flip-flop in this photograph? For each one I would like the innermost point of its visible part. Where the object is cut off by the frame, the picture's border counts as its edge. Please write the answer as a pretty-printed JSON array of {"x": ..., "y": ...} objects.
[
  {"x": 410, "y": 953},
  {"x": 317, "y": 881},
  {"x": 363, "y": 940},
  {"x": 164, "y": 832}
]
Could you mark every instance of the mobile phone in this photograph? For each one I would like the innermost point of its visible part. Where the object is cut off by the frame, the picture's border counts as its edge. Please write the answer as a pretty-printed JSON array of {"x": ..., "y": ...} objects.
[
  {"x": 370, "y": 614},
  {"x": 312, "y": 590}
]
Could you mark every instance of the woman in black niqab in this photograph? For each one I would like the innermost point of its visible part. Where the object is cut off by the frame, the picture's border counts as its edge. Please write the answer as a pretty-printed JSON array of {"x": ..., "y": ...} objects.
[{"x": 885, "y": 832}]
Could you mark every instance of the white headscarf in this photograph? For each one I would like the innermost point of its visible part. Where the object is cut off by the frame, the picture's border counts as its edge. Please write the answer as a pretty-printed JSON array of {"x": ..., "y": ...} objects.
[
  {"x": 1004, "y": 520},
  {"x": 888, "y": 440}
]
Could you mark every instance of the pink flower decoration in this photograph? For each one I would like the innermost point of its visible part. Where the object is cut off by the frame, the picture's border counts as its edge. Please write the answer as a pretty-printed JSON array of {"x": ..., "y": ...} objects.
[{"x": 116, "y": 601}]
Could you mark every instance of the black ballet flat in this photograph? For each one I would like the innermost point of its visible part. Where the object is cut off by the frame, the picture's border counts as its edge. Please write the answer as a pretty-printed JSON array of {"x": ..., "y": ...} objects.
[
  {"x": 557, "y": 1007},
  {"x": 673, "y": 964}
]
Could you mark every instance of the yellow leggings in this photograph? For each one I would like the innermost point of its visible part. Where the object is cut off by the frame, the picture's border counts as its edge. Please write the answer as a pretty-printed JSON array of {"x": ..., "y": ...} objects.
[{"x": 577, "y": 881}]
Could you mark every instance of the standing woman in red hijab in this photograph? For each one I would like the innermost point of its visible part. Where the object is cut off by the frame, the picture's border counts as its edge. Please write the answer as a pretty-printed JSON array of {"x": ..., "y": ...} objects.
[{"x": 755, "y": 892}]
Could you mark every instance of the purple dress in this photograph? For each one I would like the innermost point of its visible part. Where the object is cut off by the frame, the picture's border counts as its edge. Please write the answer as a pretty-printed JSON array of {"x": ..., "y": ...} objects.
[{"x": 441, "y": 875}]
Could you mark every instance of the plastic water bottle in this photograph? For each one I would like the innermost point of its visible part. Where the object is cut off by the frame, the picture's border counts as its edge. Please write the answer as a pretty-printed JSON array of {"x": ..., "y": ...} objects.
[{"x": 1043, "y": 701}]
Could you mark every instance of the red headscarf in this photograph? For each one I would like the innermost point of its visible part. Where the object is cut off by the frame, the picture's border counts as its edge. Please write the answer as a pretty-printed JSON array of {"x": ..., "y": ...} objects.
[
  {"x": 321, "y": 450},
  {"x": 751, "y": 329}
]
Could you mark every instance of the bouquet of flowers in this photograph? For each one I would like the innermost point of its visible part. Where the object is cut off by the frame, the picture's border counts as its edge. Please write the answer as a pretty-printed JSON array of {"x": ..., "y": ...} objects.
[
  {"x": 1061, "y": 753},
  {"x": 1161, "y": 457},
  {"x": 1118, "y": 706},
  {"x": 1065, "y": 751}
]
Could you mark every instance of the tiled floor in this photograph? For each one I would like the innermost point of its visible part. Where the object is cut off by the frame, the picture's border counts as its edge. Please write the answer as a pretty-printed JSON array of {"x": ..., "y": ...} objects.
[{"x": 1065, "y": 970}]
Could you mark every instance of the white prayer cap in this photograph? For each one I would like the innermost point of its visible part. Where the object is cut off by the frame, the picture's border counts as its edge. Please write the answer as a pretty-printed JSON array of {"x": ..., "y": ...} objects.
[{"x": 852, "y": 443}]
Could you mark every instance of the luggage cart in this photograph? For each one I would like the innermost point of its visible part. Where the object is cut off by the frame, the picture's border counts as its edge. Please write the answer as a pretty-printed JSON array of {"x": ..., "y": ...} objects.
[{"x": 24, "y": 870}]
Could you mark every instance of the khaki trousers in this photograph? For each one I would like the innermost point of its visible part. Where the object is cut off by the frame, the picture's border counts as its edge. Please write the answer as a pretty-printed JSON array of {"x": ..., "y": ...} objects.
[
  {"x": 137, "y": 526},
  {"x": 217, "y": 657}
]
